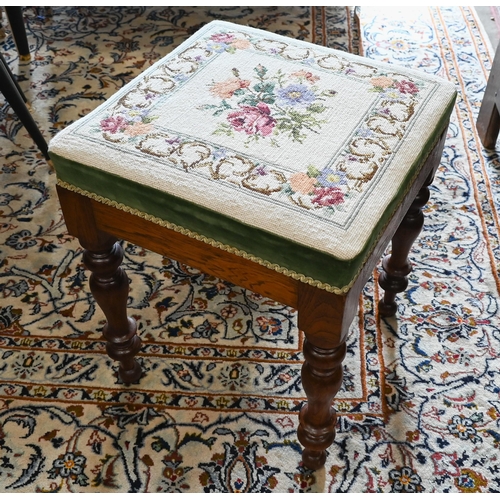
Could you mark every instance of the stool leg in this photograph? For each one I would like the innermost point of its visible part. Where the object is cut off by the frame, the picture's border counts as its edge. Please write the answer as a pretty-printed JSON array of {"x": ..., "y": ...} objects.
[
  {"x": 109, "y": 286},
  {"x": 108, "y": 282},
  {"x": 321, "y": 380},
  {"x": 325, "y": 319},
  {"x": 396, "y": 267}
]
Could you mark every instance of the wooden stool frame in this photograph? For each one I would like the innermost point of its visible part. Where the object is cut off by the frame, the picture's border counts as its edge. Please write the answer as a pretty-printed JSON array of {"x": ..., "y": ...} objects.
[{"x": 324, "y": 317}]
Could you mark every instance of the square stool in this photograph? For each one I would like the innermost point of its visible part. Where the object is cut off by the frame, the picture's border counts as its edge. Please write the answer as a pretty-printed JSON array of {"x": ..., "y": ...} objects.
[{"x": 278, "y": 165}]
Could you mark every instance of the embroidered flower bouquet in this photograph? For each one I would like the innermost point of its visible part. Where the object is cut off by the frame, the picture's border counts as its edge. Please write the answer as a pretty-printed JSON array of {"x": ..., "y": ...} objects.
[{"x": 270, "y": 105}]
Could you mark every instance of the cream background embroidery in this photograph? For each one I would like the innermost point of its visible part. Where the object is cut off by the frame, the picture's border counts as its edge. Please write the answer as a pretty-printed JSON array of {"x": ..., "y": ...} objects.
[{"x": 319, "y": 187}]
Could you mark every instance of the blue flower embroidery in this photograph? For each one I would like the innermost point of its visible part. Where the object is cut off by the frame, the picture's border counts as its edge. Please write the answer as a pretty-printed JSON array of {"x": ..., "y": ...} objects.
[
  {"x": 219, "y": 154},
  {"x": 296, "y": 94},
  {"x": 182, "y": 77},
  {"x": 218, "y": 47},
  {"x": 332, "y": 178}
]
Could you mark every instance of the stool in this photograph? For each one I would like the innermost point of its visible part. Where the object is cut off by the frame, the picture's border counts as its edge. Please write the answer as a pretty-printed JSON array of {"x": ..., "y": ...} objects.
[{"x": 278, "y": 165}]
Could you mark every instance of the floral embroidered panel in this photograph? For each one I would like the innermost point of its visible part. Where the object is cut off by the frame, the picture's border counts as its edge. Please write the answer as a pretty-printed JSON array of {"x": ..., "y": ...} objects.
[{"x": 268, "y": 130}]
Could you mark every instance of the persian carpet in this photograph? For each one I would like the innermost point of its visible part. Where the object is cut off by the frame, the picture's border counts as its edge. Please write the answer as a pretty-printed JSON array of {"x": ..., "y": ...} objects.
[{"x": 217, "y": 407}]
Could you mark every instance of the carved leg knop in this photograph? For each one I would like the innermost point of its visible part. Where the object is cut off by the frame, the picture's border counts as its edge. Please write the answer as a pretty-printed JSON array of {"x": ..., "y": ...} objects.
[
  {"x": 109, "y": 286},
  {"x": 393, "y": 279},
  {"x": 321, "y": 379}
]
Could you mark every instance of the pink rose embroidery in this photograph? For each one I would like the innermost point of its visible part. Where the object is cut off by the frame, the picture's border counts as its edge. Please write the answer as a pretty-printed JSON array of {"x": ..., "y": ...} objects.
[
  {"x": 406, "y": 87},
  {"x": 114, "y": 124},
  {"x": 327, "y": 196},
  {"x": 231, "y": 40},
  {"x": 253, "y": 119},
  {"x": 222, "y": 38}
]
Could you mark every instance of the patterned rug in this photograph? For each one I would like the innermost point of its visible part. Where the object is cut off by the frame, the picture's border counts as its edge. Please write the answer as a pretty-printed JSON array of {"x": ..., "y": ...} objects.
[{"x": 216, "y": 410}]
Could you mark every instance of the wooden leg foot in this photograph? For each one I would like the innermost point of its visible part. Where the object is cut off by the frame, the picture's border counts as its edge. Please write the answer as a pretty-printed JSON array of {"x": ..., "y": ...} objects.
[
  {"x": 321, "y": 379},
  {"x": 129, "y": 370},
  {"x": 109, "y": 286},
  {"x": 313, "y": 460},
  {"x": 393, "y": 281}
]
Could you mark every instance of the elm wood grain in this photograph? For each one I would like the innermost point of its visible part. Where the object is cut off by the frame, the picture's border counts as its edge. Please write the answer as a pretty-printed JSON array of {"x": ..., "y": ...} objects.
[
  {"x": 488, "y": 120},
  {"x": 324, "y": 317}
]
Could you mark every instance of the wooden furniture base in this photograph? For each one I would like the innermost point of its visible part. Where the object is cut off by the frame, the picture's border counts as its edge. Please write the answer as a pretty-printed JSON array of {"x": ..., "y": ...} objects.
[
  {"x": 488, "y": 120},
  {"x": 324, "y": 317}
]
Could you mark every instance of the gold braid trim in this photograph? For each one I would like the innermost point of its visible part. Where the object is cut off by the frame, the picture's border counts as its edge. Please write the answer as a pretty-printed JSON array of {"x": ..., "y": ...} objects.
[{"x": 208, "y": 241}]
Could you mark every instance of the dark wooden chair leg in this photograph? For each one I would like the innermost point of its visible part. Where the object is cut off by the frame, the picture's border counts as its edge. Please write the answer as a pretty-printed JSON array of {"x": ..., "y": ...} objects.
[
  {"x": 325, "y": 319},
  {"x": 16, "y": 21},
  {"x": 396, "y": 266},
  {"x": 488, "y": 120},
  {"x": 321, "y": 380},
  {"x": 109, "y": 286},
  {"x": 108, "y": 283},
  {"x": 17, "y": 100}
]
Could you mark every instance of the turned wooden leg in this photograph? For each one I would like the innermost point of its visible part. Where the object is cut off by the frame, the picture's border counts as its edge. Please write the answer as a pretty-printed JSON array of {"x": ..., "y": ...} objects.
[
  {"x": 321, "y": 379},
  {"x": 108, "y": 282},
  {"x": 396, "y": 266},
  {"x": 325, "y": 319},
  {"x": 109, "y": 286}
]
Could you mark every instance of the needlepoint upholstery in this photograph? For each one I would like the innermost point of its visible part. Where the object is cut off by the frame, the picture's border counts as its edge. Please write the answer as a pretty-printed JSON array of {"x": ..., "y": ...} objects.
[{"x": 284, "y": 152}]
